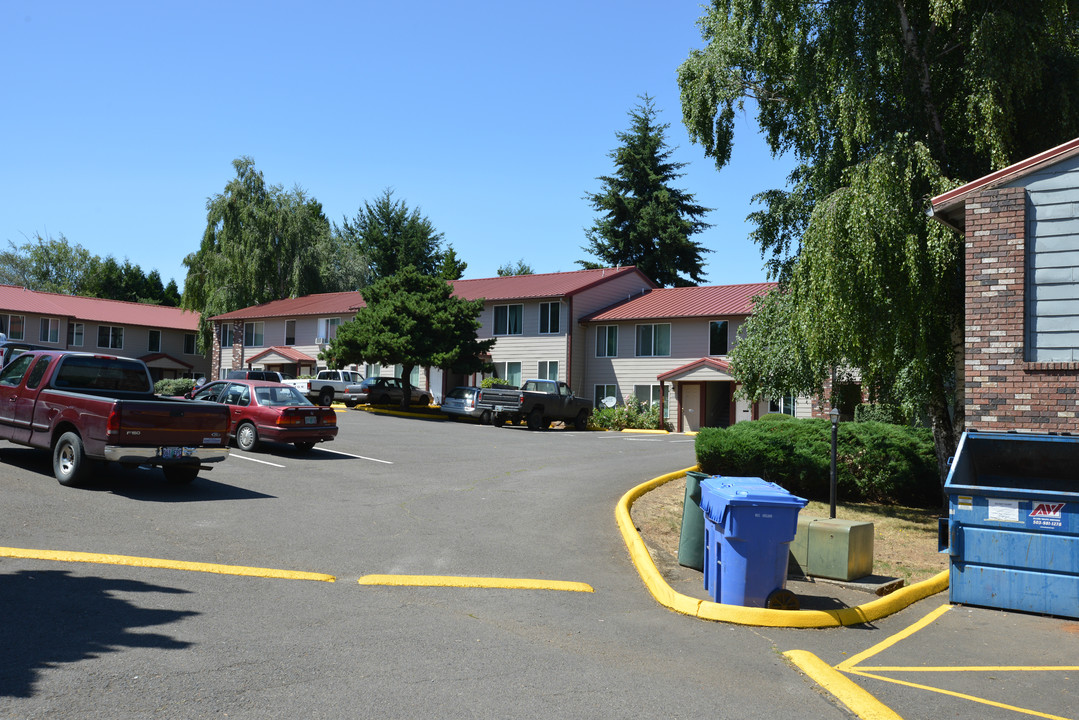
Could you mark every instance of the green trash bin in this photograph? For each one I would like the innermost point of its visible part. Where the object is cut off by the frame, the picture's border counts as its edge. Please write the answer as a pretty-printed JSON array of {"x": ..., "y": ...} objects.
[{"x": 691, "y": 540}]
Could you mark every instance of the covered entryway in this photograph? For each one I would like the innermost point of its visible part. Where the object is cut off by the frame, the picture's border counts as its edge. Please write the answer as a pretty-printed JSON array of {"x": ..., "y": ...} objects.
[
  {"x": 705, "y": 394},
  {"x": 286, "y": 360}
]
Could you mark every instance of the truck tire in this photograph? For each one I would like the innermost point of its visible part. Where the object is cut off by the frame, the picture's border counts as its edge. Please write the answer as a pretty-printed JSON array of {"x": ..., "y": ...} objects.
[
  {"x": 325, "y": 397},
  {"x": 485, "y": 418},
  {"x": 247, "y": 437},
  {"x": 180, "y": 474},
  {"x": 535, "y": 419},
  {"x": 581, "y": 421},
  {"x": 69, "y": 463}
]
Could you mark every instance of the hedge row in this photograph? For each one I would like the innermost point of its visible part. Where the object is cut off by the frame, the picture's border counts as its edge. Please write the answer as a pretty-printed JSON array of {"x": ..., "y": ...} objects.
[{"x": 875, "y": 462}]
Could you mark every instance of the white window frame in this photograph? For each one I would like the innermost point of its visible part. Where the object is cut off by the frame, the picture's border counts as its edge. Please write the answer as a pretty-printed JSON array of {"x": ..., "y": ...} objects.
[
  {"x": 601, "y": 391},
  {"x": 653, "y": 334},
  {"x": 787, "y": 405},
  {"x": 10, "y": 321},
  {"x": 191, "y": 345},
  {"x": 607, "y": 341},
  {"x": 504, "y": 370},
  {"x": 548, "y": 370},
  {"x": 115, "y": 337},
  {"x": 550, "y": 314},
  {"x": 726, "y": 338},
  {"x": 254, "y": 334},
  {"x": 508, "y": 326},
  {"x": 226, "y": 335},
  {"x": 49, "y": 331},
  {"x": 76, "y": 334},
  {"x": 290, "y": 339},
  {"x": 150, "y": 341}
]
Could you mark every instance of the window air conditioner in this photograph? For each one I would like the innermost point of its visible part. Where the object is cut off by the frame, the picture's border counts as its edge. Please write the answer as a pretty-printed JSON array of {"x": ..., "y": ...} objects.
[{"x": 320, "y": 341}]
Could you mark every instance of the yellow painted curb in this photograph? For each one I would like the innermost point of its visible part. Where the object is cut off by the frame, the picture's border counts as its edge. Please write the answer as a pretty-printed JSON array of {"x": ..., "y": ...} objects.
[
  {"x": 860, "y": 702},
  {"x": 736, "y": 614},
  {"x": 398, "y": 413},
  {"x": 645, "y": 432},
  {"x": 474, "y": 582},
  {"x": 67, "y": 556}
]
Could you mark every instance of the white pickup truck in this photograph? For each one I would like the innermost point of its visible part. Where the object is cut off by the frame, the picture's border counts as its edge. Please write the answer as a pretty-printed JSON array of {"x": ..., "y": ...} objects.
[{"x": 327, "y": 385}]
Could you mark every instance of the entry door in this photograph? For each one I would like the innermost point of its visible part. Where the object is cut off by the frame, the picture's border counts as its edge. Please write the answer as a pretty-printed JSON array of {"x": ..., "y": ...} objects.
[{"x": 691, "y": 407}]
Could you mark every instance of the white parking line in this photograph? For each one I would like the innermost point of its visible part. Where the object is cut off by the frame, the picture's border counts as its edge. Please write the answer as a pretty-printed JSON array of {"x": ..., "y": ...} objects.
[
  {"x": 361, "y": 457},
  {"x": 255, "y": 460}
]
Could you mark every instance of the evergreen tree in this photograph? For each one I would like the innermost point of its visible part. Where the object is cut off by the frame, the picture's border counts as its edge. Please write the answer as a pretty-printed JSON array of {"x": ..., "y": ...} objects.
[
  {"x": 521, "y": 268},
  {"x": 644, "y": 221},
  {"x": 391, "y": 237}
]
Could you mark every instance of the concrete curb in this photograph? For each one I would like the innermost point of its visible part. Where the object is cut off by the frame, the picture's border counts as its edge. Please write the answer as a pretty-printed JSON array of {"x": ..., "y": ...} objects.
[{"x": 763, "y": 617}]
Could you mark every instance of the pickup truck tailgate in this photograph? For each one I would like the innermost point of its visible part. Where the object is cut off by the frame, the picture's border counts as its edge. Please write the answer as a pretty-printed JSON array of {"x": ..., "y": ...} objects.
[{"x": 179, "y": 423}]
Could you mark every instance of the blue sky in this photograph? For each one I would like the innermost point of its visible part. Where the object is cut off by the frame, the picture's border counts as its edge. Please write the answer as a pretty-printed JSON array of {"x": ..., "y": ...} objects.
[{"x": 493, "y": 119}]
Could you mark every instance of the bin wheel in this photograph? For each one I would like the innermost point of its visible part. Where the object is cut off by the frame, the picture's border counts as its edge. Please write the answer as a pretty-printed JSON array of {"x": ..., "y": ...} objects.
[{"x": 782, "y": 600}]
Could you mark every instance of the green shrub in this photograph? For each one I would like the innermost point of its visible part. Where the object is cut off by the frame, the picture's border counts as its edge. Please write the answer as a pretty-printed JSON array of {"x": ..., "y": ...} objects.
[
  {"x": 173, "y": 386},
  {"x": 880, "y": 412},
  {"x": 634, "y": 415},
  {"x": 875, "y": 462},
  {"x": 489, "y": 382}
]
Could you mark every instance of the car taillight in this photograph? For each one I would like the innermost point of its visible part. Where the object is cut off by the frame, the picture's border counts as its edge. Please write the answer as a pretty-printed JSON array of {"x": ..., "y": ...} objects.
[
  {"x": 112, "y": 424},
  {"x": 329, "y": 417},
  {"x": 289, "y": 417}
]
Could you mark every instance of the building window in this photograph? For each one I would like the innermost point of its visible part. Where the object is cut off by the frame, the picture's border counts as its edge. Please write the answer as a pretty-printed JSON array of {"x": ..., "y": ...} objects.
[
  {"x": 154, "y": 345},
  {"x": 508, "y": 319},
  {"x": 327, "y": 328},
  {"x": 509, "y": 373},
  {"x": 717, "y": 337},
  {"x": 190, "y": 345},
  {"x": 226, "y": 335},
  {"x": 650, "y": 395},
  {"x": 50, "y": 330},
  {"x": 606, "y": 396},
  {"x": 413, "y": 377},
  {"x": 785, "y": 405},
  {"x": 75, "y": 333},
  {"x": 253, "y": 332},
  {"x": 110, "y": 336},
  {"x": 290, "y": 332},
  {"x": 607, "y": 341},
  {"x": 13, "y": 325},
  {"x": 548, "y": 319},
  {"x": 548, "y": 370},
  {"x": 654, "y": 340}
]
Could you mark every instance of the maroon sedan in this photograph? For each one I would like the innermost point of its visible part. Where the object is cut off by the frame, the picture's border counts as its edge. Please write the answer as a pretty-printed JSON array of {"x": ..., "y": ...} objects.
[{"x": 264, "y": 410}]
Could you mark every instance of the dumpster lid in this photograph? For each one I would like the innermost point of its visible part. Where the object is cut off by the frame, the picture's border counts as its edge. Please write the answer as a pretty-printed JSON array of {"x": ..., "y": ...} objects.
[
  {"x": 1019, "y": 463},
  {"x": 721, "y": 491}
]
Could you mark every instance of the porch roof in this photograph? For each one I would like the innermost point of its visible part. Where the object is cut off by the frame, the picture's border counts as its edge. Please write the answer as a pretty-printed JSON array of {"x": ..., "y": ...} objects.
[
  {"x": 286, "y": 354},
  {"x": 706, "y": 369}
]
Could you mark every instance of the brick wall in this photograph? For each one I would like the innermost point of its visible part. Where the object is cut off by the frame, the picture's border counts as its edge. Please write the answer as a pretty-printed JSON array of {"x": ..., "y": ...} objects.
[{"x": 1003, "y": 390}]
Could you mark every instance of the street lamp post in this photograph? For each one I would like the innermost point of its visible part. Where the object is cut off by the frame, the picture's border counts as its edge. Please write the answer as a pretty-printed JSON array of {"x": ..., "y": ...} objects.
[{"x": 834, "y": 414}]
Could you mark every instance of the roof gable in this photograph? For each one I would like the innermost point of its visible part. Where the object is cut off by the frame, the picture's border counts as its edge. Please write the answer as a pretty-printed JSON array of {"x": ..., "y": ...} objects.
[
  {"x": 339, "y": 303},
  {"x": 543, "y": 285}
]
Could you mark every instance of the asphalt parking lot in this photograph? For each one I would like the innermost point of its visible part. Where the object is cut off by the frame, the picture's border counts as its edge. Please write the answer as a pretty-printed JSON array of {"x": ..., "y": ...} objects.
[{"x": 399, "y": 497}]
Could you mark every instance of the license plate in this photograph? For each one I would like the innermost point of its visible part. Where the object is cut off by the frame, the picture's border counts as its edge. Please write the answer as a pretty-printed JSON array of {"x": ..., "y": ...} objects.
[
  {"x": 310, "y": 419},
  {"x": 175, "y": 452}
]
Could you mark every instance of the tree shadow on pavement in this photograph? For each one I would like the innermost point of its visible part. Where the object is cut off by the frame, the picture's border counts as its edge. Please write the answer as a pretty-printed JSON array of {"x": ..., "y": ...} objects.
[{"x": 53, "y": 617}]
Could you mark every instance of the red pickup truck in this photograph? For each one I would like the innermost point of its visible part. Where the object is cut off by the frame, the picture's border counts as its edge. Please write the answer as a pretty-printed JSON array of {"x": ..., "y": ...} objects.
[{"x": 86, "y": 407}]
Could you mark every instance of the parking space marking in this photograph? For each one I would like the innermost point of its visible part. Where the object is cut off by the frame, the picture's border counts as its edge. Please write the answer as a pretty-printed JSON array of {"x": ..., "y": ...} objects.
[
  {"x": 360, "y": 457},
  {"x": 132, "y": 561},
  {"x": 474, "y": 582},
  {"x": 865, "y": 706},
  {"x": 255, "y": 460}
]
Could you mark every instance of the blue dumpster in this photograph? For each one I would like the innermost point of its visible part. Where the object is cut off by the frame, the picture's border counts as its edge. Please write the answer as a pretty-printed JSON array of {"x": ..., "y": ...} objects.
[
  {"x": 749, "y": 526},
  {"x": 1012, "y": 531}
]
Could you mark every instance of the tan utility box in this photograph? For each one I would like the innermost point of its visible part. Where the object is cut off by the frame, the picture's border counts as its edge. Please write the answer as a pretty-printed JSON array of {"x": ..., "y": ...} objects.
[{"x": 833, "y": 548}]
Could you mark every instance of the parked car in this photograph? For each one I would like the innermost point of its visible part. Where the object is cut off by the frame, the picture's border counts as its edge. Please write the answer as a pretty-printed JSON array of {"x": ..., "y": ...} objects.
[
  {"x": 269, "y": 411},
  {"x": 271, "y": 375},
  {"x": 382, "y": 391},
  {"x": 461, "y": 402}
]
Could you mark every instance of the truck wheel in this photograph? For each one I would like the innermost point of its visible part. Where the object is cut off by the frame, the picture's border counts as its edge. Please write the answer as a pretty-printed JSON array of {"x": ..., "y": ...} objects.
[
  {"x": 247, "y": 438},
  {"x": 325, "y": 398},
  {"x": 485, "y": 418},
  {"x": 350, "y": 404},
  {"x": 69, "y": 463},
  {"x": 535, "y": 419},
  {"x": 581, "y": 421},
  {"x": 180, "y": 474}
]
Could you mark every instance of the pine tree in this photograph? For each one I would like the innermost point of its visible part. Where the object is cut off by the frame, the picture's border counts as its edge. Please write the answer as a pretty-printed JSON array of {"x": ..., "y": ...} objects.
[{"x": 644, "y": 221}]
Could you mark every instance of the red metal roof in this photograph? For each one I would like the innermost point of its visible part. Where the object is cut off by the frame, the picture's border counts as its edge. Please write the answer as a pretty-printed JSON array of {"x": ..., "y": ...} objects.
[
  {"x": 544, "y": 285},
  {"x": 87, "y": 309},
  {"x": 948, "y": 207},
  {"x": 714, "y": 363},
  {"x": 339, "y": 303},
  {"x": 685, "y": 302},
  {"x": 288, "y": 353}
]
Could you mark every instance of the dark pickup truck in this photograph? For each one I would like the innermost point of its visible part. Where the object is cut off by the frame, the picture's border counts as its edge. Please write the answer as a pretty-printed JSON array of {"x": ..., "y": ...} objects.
[
  {"x": 539, "y": 402},
  {"x": 86, "y": 407}
]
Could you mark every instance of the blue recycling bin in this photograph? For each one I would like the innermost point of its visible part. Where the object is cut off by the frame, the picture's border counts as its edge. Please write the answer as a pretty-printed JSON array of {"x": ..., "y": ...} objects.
[
  {"x": 749, "y": 526},
  {"x": 1012, "y": 531}
]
